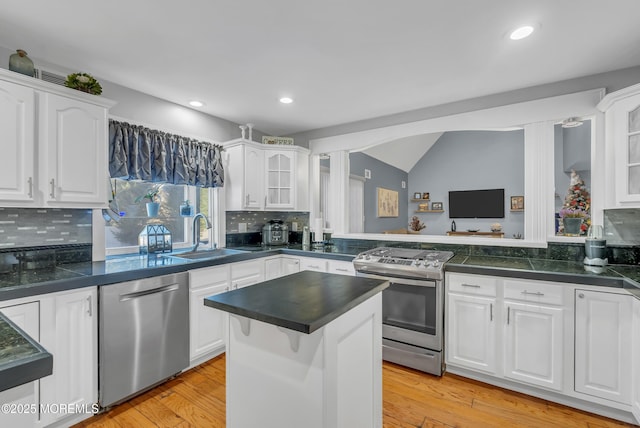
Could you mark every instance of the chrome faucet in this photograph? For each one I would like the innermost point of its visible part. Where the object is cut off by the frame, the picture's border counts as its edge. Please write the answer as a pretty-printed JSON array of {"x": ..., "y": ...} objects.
[{"x": 196, "y": 229}]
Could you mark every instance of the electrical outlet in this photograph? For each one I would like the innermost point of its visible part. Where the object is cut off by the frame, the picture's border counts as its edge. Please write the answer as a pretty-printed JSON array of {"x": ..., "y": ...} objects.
[
  {"x": 242, "y": 227},
  {"x": 294, "y": 226},
  {"x": 367, "y": 174},
  {"x": 404, "y": 184}
]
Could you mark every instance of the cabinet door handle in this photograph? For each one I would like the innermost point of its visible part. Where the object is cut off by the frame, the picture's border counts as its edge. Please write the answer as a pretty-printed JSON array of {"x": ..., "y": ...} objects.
[
  {"x": 296, "y": 262},
  {"x": 508, "y": 314},
  {"x": 30, "y": 183},
  {"x": 342, "y": 270},
  {"x": 314, "y": 267},
  {"x": 471, "y": 285},
  {"x": 490, "y": 311},
  {"x": 246, "y": 200},
  {"x": 53, "y": 188},
  {"x": 226, "y": 288},
  {"x": 581, "y": 295},
  {"x": 235, "y": 286},
  {"x": 90, "y": 310},
  {"x": 530, "y": 293}
]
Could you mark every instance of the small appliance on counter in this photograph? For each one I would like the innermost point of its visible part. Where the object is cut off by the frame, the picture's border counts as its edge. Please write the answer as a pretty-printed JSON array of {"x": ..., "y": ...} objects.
[
  {"x": 595, "y": 247},
  {"x": 275, "y": 232}
]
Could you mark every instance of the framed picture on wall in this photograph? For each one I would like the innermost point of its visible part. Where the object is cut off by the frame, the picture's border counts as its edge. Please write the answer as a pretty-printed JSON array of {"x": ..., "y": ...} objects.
[
  {"x": 436, "y": 206},
  {"x": 425, "y": 195},
  {"x": 517, "y": 203},
  {"x": 387, "y": 202},
  {"x": 417, "y": 195}
]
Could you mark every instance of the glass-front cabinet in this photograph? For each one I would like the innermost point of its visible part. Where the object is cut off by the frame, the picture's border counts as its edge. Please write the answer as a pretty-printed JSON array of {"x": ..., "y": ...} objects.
[
  {"x": 279, "y": 179},
  {"x": 622, "y": 115}
]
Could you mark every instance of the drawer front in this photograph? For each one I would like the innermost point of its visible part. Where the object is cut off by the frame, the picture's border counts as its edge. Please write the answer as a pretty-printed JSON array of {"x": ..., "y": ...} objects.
[
  {"x": 341, "y": 267},
  {"x": 534, "y": 291},
  {"x": 476, "y": 285},
  {"x": 317, "y": 265},
  {"x": 206, "y": 276}
]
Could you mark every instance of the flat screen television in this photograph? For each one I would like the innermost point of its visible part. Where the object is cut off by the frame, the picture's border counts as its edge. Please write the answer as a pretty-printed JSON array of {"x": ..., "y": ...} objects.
[{"x": 476, "y": 203}]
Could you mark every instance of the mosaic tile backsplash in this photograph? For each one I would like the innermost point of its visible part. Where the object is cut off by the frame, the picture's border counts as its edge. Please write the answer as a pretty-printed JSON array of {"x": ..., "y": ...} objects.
[
  {"x": 252, "y": 221},
  {"x": 33, "y": 227}
]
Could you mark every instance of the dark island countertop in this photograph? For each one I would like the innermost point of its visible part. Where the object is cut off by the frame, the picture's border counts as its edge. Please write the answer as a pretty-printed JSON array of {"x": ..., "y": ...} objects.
[
  {"x": 304, "y": 301},
  {"x": 22, "y": 359}
]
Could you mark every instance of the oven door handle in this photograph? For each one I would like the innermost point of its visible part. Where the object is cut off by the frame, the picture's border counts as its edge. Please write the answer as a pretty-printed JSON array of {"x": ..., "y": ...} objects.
[{"x": 431, "y": 283}]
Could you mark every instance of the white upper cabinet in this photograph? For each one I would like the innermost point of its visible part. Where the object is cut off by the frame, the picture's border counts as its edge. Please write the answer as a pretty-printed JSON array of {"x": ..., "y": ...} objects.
[
  {"x": 266, "y": 177},
  {"x": 622, "y": 115},
  {"x": 73, "y": 142},
  {"x": 54, "y": 145},
  {"x": 17, "y": 121}
]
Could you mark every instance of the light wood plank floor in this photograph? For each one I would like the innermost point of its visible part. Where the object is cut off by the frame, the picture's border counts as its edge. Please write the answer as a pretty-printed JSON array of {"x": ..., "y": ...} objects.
[{"x": 411, "y": 399}]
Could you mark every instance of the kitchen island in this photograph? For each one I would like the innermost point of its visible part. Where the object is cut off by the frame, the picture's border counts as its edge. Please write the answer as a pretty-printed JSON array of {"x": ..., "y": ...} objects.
[{"x": 304, "y": 350}]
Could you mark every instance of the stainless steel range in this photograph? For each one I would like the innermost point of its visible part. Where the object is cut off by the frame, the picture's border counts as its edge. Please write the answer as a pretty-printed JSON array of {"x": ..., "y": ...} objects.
[{"x": 412, "y": 306}]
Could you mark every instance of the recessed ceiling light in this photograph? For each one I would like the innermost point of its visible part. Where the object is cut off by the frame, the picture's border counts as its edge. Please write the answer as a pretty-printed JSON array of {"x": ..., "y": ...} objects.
[
  {"x": 521, "y": 33},
  {"x": 286, "y": 100},
  {"x": 196, "y": 103}
]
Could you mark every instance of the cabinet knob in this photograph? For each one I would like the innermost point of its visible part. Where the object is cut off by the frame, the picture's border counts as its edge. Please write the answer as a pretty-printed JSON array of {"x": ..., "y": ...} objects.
[{"x": 581, "y": 295}]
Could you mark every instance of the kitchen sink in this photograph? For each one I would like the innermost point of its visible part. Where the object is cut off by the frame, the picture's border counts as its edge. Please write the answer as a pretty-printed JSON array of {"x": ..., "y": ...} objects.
[{"x": 206, "y": 254}]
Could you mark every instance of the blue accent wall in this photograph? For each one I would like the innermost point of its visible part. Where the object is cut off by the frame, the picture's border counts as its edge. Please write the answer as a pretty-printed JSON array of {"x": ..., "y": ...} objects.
[
  {"x": 471, "y": 160},
  {"x": 385, "y": 176}
]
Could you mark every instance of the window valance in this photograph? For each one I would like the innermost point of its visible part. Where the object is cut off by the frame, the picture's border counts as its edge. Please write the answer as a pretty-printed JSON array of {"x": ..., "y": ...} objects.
[{"x": 139, "y": 153}]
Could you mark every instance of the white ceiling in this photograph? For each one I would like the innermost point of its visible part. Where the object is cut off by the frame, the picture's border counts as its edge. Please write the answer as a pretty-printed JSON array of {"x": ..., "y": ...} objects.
[
  {"x": 340, "y": 60},
  {"x": 404, "y": 153}
]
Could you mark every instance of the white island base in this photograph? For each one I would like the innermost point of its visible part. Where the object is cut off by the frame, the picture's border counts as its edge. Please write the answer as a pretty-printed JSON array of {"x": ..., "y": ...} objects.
[{"x": 331, "y": 378}]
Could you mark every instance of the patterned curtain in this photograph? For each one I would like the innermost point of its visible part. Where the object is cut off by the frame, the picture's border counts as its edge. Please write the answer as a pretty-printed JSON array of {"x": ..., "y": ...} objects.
[{"x": 139, "y": 153}]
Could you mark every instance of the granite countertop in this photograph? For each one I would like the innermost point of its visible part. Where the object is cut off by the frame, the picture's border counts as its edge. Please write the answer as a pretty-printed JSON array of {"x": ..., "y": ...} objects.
[
  {"x": 22, "y": 359},
  {"x": 305, "y": 301},
  {"x": 617, "y": 276}
]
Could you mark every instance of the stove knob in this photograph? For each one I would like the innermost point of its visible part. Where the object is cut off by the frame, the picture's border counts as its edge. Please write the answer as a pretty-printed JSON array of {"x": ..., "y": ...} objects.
[
  {"x": 435, "y": 264},
  {"x": 418, "y": 263},
  {"x": 367, "y": 257}
]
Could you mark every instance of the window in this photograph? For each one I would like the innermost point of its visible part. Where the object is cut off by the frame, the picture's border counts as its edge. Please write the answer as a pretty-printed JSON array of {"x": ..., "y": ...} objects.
[{"x": 122, "y": 237}]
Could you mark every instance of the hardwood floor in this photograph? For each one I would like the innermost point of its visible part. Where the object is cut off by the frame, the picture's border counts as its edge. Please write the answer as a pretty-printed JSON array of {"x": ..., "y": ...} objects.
[{"x": 410, "y": 400}]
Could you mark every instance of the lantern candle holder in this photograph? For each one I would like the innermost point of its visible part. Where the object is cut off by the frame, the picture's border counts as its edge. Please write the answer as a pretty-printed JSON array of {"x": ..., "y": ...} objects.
[{"x": 155, "y": 238}]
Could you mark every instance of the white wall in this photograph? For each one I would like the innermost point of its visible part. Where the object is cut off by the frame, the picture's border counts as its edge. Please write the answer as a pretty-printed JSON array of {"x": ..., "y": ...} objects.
[
  {"x": 611, "y": 81},
  {"x": 150, "y": 111}
]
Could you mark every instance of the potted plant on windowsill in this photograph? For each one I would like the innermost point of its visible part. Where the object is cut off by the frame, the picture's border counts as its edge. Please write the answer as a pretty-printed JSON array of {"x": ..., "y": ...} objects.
[
  {"x": 572, "y": 219},
  {"x": 153, "y": 205}
]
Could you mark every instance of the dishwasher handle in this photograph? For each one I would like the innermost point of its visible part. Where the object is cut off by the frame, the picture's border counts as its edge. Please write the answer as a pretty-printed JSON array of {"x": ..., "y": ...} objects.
[{"x": 138, "y": 294}]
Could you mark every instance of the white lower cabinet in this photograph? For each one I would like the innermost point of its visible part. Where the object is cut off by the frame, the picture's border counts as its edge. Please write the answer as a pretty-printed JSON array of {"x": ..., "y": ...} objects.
[
  {"x": 471, "y": 332},
  {"x": 546, "y": 338},
  {"x": 247, "y": 273},
  {"x": 27, "y": 317},
  {"x": 69, "y": 327},
  {"x": 290, "y": 265},
  {"x": 313, "y": 264},
  {"x": 207, "y": 326},
  {"x": 636, "y": 357},
  {"x": 65, "y": 324},
  {"x": 341, "y": 267},
  {"x": 603, "y": 347},
  {"x": 533, "y": 344}
]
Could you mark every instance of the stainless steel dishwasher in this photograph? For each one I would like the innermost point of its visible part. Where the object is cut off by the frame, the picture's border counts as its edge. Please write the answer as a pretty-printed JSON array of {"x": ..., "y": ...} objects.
[{"x": 143, "y": 334}]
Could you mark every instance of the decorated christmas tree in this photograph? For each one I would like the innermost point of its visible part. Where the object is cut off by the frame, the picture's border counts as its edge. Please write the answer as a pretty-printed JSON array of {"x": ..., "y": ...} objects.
[{"x": 577, "y": 202}]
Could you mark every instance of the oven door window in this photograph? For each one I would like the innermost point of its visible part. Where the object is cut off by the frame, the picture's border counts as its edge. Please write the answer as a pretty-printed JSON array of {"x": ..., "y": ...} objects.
[{"x": 410, "y": 307}]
